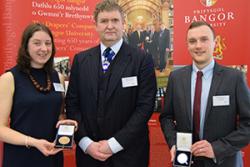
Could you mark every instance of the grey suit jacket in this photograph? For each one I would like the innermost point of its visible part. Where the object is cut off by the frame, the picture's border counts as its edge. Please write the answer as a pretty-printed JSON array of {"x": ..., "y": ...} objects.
[{"x": 227, "y": 128}]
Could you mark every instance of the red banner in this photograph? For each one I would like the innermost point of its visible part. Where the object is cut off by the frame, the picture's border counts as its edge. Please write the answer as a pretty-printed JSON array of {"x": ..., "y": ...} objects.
[
  {"x": 71, "y": 22},
  {"x": 230, "y": 20}
]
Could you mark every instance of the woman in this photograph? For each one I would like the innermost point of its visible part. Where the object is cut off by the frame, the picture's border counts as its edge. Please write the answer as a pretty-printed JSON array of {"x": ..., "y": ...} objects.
[{"x": 31, "y": 95}]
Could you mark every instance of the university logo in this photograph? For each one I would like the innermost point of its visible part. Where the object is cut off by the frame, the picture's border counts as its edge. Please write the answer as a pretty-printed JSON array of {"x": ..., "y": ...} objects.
[
  {"x": 219, "y": 47},
  {"x": 208, "y": 3}
]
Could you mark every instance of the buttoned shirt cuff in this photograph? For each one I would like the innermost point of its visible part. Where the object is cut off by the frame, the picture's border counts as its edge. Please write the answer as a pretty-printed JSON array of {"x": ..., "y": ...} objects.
[
  {"x": 84, "y": 143},
  {"x": 114, "y": 145}
]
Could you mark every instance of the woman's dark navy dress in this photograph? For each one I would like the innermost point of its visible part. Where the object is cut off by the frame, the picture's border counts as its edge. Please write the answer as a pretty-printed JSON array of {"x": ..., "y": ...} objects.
[{"x": 34, "y": 114}]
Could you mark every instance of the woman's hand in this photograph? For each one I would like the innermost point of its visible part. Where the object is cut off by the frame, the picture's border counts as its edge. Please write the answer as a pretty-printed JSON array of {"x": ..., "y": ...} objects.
[{"x": 45, "y": 147}]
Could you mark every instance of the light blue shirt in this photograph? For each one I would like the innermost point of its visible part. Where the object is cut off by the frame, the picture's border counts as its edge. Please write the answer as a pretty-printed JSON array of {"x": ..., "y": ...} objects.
[
  {"x": 206, "y": 84},
  {"x": 113, "y": 143}
]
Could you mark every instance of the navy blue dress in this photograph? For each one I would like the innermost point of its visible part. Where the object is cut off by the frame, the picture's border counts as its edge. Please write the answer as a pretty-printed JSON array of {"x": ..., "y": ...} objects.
[{"x": 34, "y": 114}]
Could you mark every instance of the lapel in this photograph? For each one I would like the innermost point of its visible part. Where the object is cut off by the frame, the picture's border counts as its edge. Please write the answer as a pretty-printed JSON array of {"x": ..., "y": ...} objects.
[
  {"x": 216, "y": 80},
  {"x": 93, "y": 69},
  {"x": 122, "y": 59},
  {"x": 186, "y": 78}
]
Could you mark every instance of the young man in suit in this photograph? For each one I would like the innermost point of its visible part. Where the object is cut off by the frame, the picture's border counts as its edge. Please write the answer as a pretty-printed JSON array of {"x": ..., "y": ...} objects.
[
  {"x": 111, "y": 95},
  {"x": 222, "y": 127}
]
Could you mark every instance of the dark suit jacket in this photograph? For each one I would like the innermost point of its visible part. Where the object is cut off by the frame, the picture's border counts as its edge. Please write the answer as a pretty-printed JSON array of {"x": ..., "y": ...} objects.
[
  {"x": 154, "y": 43},
  {"x": 135, "y": 40},
  {"x": 220, "y": 128},
  {"x": 127, "y": 110},
  {"x": 164, "y": 40}
]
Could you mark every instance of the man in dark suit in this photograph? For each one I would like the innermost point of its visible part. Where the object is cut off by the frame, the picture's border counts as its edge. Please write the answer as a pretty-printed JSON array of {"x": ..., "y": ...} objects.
[
  {"x": 146, "y": 41},
  {"x": 163, "y": 46},
  {"x": 223, "y": 126},
  {"x": 137, "y": 37},
  {"x": 111, "y": 97},
  {"x": 151, "y": 44}
]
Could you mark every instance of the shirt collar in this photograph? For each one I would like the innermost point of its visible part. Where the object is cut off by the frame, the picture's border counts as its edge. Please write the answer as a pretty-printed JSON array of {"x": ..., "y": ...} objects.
[
  {"x": 206, "y": 71},
  {"x": 116, "y": 47}
]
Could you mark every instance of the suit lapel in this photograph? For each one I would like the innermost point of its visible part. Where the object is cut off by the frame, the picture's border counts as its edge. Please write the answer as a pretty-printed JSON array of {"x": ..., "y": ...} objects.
[
  {"x": 93, "y": 70},
  {"x": 186, "y": 75},
  {"x": 217, "y": 78},
  {"x": 122, "y": 60}
]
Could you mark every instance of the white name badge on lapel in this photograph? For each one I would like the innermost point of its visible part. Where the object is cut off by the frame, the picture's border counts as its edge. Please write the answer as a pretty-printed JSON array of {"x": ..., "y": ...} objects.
[
  {"x": 222, "y": 100},
  {"x": 58, "y": 87},
  {"x": 129, "y": 82}
]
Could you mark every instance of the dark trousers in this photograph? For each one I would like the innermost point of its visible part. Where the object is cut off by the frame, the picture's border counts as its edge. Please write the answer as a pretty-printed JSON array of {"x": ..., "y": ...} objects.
[{"x": 197, "y": 162}]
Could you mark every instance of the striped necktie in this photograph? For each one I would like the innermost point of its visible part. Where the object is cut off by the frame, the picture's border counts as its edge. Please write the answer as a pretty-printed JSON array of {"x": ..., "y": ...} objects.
[{"x": 108, "y": 55}]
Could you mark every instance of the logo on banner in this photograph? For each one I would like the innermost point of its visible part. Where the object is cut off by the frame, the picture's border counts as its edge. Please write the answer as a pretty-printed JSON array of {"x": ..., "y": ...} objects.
[
  {"x": 208, "y": 3},
  {"x": 219, "y": 47}
]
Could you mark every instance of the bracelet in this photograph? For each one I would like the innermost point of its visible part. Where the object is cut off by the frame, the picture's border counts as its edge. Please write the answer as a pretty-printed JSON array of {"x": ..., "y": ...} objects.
[{"x": 27, "y": 141}]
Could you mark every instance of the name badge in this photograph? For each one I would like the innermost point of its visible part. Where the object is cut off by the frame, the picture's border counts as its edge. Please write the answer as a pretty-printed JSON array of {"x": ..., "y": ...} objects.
[
  {"x": 129, "y": 82},
  {"x": 58, "y": 87},
  {"x": 222, "y": 100}
]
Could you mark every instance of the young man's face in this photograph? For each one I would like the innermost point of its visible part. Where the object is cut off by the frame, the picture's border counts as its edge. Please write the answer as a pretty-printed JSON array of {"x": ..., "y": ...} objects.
[
  {"x": 201, "y": 43},
  {"x": 109, "y": 25}
]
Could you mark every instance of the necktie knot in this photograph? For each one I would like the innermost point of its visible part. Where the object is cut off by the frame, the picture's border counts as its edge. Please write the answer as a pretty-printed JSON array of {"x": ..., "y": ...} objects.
[
  {"x": 199, "y": 74},
  {"x": 108, "y": 54}
]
